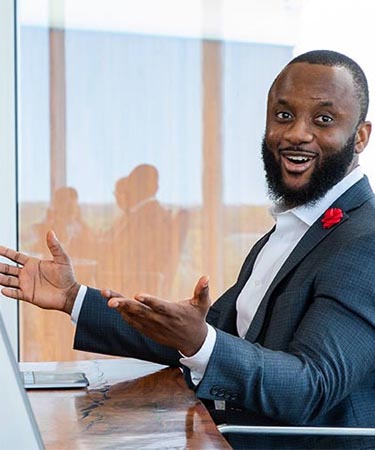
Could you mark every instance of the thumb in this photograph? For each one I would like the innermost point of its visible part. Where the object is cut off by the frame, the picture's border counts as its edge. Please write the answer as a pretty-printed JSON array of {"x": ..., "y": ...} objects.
[
  {"x": 201, "y": 293},
  {"x": 56, "y": 249}
]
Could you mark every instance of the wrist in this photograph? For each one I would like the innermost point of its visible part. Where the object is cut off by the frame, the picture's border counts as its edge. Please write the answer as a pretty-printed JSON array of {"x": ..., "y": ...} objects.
[
  {"x": 192, "y": 348},
  {"x": 71, "y": 295}
]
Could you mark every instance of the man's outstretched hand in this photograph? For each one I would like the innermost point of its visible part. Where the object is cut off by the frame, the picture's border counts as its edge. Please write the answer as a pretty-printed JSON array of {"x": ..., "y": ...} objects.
[
  {"x": 49, "y": 284},
  {"x": 179, "y": 325}
]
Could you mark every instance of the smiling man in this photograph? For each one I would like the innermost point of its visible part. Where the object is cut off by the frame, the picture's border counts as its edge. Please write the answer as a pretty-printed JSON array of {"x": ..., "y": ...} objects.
[
  {"x": 293, "y": 341},
  {"x": 314, "y": 131}
]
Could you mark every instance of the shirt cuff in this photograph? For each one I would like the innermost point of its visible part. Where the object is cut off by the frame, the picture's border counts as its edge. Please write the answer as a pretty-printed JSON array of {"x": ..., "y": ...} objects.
[
  {"x": 198, "y": 362},
  {"x": 78, "y": 303}
]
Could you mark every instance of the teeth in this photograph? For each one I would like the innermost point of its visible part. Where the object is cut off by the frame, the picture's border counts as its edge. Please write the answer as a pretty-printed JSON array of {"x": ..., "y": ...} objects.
[{"x": 298, "y": 159}]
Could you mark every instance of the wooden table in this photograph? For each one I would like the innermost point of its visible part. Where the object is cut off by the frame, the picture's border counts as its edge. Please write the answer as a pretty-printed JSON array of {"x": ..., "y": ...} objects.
[{"x": 130, "y": 404}]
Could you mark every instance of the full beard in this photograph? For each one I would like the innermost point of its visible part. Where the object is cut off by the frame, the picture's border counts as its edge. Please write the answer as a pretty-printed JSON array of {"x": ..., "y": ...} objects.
[{"x": 332, "y": 170}]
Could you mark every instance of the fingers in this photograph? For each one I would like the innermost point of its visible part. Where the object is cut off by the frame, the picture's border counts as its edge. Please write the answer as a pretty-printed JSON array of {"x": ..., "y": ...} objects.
[
  {"x": 114, "y": 302},
  {"x": 108, "y": 293},
  {"x": 56, "y": 249},
  {"x": 136, "y": 314},
  {"x": 9, "y": 281},
  {"x": 127, "y": 305},
  {"x": 13, "y": 255},
  {"x": 201, "y": 293},
  {"x": 156, "y": 304},
  {"x": 12, "y": 293},
  {"x": 9, "y": 278},
  {"x": 9, "y": 274},
  {"x": 6, "y": 269}
]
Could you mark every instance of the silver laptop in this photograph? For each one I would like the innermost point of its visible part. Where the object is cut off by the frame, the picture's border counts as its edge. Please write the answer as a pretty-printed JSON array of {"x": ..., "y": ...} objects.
[
  {"x": 53, "y": 380},
  {"x": 18, "y": 430}
]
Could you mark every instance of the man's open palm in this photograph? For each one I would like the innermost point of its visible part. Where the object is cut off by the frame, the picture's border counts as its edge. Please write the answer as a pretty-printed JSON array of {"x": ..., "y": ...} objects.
[{"x": 49, "y": 284}]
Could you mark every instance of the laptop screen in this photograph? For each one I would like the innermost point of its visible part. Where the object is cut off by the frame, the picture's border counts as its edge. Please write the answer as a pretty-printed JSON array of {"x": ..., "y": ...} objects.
[{"x": 18, "y": 428}]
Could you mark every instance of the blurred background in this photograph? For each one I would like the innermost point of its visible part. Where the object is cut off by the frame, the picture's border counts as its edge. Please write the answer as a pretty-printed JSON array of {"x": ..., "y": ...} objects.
[{"x": 139, "y": 130}]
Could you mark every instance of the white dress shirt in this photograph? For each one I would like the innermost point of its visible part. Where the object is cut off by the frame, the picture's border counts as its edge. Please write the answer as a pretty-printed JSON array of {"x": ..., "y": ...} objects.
[{"x": 291, "y": 225}]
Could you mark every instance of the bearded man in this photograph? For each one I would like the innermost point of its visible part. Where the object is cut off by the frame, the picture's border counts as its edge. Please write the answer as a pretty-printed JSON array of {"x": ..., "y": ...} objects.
[{"x": 293, "y": 341}]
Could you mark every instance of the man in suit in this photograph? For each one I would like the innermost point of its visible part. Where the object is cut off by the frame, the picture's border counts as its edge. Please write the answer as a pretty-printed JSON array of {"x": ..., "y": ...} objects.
[
  {"x": 293, "y": 341},
  {"x": 133, "y": 250}
]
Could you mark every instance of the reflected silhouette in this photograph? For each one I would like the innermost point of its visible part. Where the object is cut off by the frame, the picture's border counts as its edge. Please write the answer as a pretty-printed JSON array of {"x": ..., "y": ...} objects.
[
  {"x": 65, "y": 218},
  {"x": 137, "y": 251}
]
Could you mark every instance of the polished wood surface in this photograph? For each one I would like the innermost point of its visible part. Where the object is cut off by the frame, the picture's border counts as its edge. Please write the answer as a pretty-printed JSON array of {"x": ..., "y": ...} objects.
[{"x": 130, "y": 404}]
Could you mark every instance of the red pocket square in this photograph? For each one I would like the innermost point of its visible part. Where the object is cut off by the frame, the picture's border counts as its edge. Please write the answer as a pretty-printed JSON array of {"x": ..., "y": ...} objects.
[{"x": 331, "y": 217}]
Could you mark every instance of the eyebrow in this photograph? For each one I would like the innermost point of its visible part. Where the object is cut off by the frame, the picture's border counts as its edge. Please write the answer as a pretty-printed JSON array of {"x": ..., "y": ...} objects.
[{"x": 324, "y": 103}]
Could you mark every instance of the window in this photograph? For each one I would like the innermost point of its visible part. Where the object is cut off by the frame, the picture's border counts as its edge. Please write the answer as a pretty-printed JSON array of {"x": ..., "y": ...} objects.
[{"x": 140, "y": 138}]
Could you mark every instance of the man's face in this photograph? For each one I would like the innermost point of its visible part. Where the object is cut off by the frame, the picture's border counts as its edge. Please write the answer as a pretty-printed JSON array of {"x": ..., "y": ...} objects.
[{"x": 311, "y": 137}]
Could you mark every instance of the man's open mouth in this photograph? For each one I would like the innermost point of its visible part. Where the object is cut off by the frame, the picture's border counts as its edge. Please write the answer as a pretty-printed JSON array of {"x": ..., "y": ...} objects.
[{"x": 297, "y": 161}]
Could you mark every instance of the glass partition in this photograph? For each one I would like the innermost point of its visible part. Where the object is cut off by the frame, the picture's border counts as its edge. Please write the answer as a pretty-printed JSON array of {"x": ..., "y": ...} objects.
[
  {"x": 8, "y": 152},
  {"x": 140, "y": 130}
]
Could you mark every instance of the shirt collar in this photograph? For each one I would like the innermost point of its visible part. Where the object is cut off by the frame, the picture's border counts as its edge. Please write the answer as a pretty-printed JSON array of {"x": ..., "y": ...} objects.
[
  {"x": 311, "y": 213},
  {"x": 141, "y": 204}
]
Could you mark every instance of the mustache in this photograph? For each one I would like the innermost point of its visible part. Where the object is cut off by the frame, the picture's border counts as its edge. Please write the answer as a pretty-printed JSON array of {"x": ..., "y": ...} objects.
[{"x": 291, "y": 150}]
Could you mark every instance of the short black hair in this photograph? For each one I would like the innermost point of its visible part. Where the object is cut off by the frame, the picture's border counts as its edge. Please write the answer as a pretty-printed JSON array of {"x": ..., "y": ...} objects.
[{"x": 335, "y": 59}]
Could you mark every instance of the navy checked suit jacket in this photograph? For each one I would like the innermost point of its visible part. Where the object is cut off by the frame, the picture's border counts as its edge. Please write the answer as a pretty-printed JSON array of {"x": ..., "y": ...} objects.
[{"x": 309, "y": 355}]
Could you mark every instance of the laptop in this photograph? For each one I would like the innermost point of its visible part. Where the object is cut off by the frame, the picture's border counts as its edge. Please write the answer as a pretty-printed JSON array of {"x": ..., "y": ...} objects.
[
  {"x": 53, "y": 380},
  {"x": 15, "y": 411},
  {"x": 18, "y": 428}
]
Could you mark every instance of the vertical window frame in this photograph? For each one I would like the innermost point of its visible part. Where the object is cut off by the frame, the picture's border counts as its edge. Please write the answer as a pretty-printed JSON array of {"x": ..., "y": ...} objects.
[{"x": 8, "y": 150}]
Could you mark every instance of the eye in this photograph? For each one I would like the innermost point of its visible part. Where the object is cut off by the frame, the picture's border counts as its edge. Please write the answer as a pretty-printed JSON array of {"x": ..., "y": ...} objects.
[
  {"x": 324, "y": 119},
  {"x": 283, "y": 115}
]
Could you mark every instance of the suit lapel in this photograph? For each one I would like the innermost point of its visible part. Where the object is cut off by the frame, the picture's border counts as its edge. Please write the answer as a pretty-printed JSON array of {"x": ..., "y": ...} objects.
[
  {"x": 248, "y": 265},
  {"x": 310, "y": 240},
  {"x": 350, "y": 200}
]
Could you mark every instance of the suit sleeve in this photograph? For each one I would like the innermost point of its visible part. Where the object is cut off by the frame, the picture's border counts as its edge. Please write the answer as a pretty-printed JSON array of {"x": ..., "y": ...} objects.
[
  {"x": 101, "y": 329},
  {"x": 331, "y": 353}
]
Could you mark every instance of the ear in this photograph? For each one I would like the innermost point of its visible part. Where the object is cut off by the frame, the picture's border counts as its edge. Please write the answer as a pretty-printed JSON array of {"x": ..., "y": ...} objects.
[{"x": 362, "y": 136}]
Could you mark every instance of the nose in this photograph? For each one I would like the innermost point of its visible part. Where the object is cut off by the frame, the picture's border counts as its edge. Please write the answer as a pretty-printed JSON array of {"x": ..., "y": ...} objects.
[{"x": 298, "y": 132}]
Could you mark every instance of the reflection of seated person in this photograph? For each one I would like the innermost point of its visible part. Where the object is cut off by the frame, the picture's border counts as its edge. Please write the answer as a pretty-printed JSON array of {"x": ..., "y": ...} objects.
[
  {"x": 64, "y": 217},
  {"x": 135, "y": 248}
]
